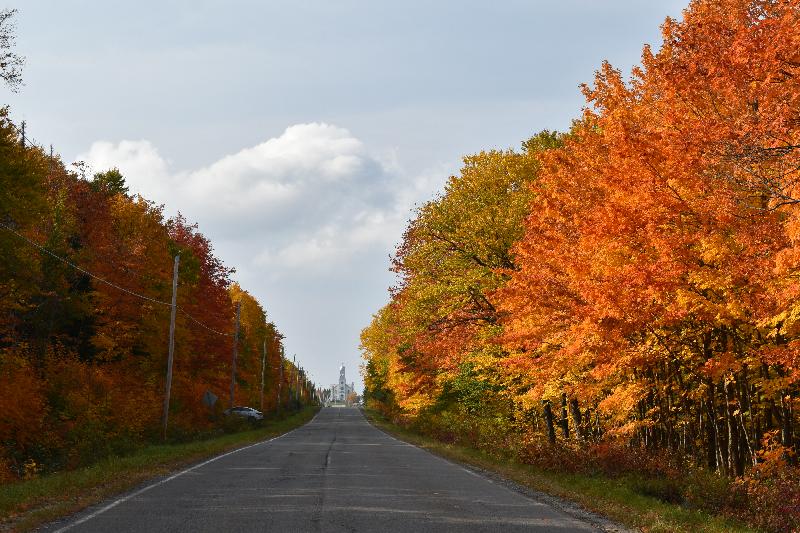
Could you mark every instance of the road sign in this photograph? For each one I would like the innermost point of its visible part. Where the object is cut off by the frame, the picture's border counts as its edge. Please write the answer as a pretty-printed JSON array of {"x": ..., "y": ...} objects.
[{"x": 209, "y": 398}]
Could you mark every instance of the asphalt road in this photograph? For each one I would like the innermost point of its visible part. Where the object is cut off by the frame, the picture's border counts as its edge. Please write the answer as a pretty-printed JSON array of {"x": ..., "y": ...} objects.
[{"x": 336, "y": 473}]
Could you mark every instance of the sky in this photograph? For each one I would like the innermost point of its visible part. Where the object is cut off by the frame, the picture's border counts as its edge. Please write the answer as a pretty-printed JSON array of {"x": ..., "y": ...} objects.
[{"x": 300, "y": 135}]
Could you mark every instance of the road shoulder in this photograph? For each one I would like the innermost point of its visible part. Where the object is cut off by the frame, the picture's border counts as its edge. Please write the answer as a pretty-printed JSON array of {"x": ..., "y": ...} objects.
[
  {"x": 604, "y": 503},
  {"x": 57, "y": 499}
]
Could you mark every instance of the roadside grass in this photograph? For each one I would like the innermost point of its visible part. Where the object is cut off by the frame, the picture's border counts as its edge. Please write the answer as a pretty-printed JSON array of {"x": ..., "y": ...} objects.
[
  {"x": 27, "y": 504},
  {"x": 619, "y": 499}
]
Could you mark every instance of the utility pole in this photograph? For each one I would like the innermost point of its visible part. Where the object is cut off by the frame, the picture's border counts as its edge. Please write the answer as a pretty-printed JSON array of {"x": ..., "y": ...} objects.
[
  {"x": 235, "y": 351},
  {"x": 22, "y": 141},
  {"x": 296, "y": 375},
  {"x": 280, "y": 379},
  {"x": 263, "y": 362},
  {"x": 173, "y": 308}
]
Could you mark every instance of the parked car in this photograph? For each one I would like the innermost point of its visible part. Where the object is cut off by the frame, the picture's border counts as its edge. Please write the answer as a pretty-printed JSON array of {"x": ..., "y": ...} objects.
[{"x": 249, "y": 413}]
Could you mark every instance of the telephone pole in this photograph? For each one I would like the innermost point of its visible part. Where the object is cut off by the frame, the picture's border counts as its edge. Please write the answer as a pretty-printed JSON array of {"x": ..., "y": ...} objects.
[
  {"x": 263, "y": 362},
  {"x": 235, "y": 351},
  {"x": 280, "y": 381},
  {"x": 296, "y": 378},
  {"x": 173, "y": 308}
]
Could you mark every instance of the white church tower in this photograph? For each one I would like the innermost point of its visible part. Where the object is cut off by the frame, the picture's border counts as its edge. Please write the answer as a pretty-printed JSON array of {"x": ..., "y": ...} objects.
[
  {"x": 341, "y": 390},
  {"x": 342, "y": 384}
]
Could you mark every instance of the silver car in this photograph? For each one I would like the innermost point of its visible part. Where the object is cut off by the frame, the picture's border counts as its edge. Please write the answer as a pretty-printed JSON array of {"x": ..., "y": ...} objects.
[{"x": 245, "y": 412}]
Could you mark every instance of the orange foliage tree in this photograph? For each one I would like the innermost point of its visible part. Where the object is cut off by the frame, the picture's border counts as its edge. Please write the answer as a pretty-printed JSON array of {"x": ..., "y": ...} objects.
[
  {"x": 655, "y": 270},
  {"x": 646, "y": 294}
]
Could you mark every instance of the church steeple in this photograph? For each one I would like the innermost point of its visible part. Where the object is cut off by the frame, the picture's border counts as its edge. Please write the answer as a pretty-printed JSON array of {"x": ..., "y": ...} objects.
[{"x": 341, "y": 390}]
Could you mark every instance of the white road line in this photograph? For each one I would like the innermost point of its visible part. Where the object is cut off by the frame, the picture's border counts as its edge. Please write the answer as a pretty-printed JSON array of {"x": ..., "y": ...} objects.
[{"x": 170, "y": 478}]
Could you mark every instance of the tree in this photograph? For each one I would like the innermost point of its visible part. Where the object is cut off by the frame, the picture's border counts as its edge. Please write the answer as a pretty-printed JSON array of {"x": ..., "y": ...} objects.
[
  {"x": 636, "y": 281},
  {"x": 454, "y": 254},
  {"x": 254, "y": 334},
  {"x": 659, "y": 257},
  {"x": 10, "y": 63},
  {"x": 110, "y": 182},
  {"x": 22, "y": 202},
  {"x": 352, "y": 398}
]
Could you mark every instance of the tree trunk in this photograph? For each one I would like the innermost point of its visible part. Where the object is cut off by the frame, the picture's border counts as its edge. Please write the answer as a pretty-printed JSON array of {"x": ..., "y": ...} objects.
[
  {"x": 745, "y": 404},
  {"x": 786, "y": 426},
  {"x": 711, "y": 428},
  {"x": 548, "y": 420},
  {"x": 576, "y": 418},
  {"x": 734, "y": 456},
  {"x": 564, "y": 420}
]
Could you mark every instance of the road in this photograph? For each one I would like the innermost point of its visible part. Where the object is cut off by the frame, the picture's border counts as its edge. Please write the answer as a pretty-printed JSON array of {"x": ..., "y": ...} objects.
[{"x": 336, "y": 473}]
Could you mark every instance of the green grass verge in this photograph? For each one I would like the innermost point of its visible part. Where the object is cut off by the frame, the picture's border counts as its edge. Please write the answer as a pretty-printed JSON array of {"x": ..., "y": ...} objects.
[
  {"x": 28, "y": 504},
  {"x": 617, "y": 498}
]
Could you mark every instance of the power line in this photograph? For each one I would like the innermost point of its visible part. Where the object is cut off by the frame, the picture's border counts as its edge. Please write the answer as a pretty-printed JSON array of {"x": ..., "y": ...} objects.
[
  {"x": 109, "y": 283},
  {"x": 106, "y": 259},
  {"x": 193, "y": 319},
  {"x": 76, "y": 267}
]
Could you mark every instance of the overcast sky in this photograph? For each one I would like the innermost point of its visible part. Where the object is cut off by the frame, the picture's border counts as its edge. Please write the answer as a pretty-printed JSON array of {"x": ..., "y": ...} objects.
[{"x": 300, "y": 134}]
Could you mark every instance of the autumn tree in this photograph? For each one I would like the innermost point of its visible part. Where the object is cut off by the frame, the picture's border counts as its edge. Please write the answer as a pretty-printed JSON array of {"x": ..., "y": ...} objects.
[
  {"x": 651, "y": 286},
  {"x": 636, "y": 283},
  {"x": 452, "y": 257},
  {"x": 10, "y": 62}
]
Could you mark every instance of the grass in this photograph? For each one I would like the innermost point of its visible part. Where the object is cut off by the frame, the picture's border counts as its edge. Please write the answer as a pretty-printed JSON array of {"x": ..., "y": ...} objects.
[
  {"x": 28, "y": 504},
  {"x": 619, "y": 499}
]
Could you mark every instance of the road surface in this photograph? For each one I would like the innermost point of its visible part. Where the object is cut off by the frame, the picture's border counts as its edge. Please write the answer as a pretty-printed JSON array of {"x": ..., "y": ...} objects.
[{"x": 336, "y": 473}]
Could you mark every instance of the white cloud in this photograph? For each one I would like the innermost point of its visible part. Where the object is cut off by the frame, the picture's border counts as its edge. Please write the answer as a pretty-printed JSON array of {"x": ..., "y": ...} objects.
[
  {"x": 308, "y": 199},
  {"x": 133, "y": 158}
]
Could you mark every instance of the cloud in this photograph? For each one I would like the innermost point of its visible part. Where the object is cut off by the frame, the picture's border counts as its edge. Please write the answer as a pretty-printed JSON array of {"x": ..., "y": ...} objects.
[
  {"x": 133, "y": 158},
  {"x": 308, "y": 199}
]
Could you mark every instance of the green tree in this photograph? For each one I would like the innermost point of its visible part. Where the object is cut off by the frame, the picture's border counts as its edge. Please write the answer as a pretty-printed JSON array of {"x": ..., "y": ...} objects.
[{"x": 110, "y": 182}]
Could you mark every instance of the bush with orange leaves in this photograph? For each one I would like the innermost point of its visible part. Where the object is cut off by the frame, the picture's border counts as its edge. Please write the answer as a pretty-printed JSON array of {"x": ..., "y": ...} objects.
[
  {"x": 771, "y": 489},
  {"x": 23, "y": 411},
  {"x": 101, "y": 410}
]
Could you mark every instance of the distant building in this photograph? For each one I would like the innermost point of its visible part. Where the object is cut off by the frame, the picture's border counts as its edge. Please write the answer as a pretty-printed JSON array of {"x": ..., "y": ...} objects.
[{"x": 341, "y": 390}]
